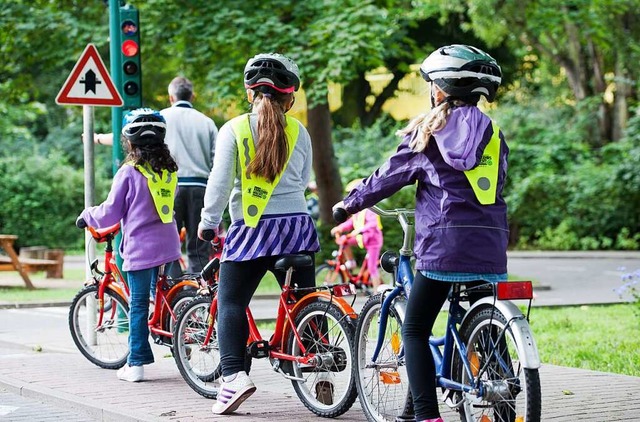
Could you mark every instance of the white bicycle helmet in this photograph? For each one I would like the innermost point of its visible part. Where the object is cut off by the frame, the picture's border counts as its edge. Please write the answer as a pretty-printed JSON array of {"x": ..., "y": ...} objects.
[
  {"x": 144, "y": 126},
  {"x": 272, "y": 70},
  {"x": 463, "y": 71}
]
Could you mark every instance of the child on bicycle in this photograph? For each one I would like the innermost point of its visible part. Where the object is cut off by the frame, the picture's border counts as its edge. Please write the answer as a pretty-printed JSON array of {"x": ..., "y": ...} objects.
[
  {"x": 365, "y": 230},
  {"x": 458, "y": 156},
  {"x": 141, "y": 198},
  {"x": 262, "y": 165}
]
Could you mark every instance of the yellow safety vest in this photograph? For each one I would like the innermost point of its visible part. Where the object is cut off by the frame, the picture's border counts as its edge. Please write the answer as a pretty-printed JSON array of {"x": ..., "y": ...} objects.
[
  {"x": 162, "y": 188},
  {"x": 256, "y": 190},
  {"x": 358, "y": 223},
  {"x": 484, "y": 177}
]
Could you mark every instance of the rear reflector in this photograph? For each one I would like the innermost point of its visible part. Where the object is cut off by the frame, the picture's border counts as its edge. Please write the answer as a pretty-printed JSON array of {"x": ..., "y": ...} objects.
[
  {"x": 511, "y": 290},
  {"x": 346, "y": 289}
]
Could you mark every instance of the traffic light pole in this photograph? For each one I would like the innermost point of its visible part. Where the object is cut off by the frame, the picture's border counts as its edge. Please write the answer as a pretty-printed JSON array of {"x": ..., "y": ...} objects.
[{"x": 116, "y": 74}]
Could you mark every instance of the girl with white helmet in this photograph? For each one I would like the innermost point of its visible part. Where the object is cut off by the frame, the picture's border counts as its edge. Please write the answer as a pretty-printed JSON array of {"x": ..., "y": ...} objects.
[
  {"x": 261, "y": 168},
  {"x": 458, "y": 157}
]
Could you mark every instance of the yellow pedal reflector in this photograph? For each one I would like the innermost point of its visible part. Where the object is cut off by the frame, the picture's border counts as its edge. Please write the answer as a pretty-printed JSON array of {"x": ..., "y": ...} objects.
[
  {"x": 390, "y": 377},
  {"x": 395, "y": 343},
  {"x": 474, "y": 361},
  {"x": 519, "y": 419},
  {"x": 485, "y": 418}
]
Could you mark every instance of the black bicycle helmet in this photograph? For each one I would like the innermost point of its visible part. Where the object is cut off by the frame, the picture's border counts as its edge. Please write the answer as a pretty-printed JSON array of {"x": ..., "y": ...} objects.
[
  {"x": 463, "y": 71},
  {"x": 272, "y": 70},
  {"x": 144, "y": 126}
]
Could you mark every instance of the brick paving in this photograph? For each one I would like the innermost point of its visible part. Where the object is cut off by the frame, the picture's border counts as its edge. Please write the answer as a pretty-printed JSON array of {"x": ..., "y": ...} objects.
[{"x": 68, "y": 381}]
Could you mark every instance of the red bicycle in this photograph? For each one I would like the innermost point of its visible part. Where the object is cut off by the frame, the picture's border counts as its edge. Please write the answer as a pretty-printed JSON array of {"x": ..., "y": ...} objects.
[
  {"x": 98, "y": 316},
  {"x": 311, "y": 344},
  {"x": 335, "y": 270}
]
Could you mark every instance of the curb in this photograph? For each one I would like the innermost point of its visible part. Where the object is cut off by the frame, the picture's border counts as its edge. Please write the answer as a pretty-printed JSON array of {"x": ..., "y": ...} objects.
[{"x": 89, "y": 407}]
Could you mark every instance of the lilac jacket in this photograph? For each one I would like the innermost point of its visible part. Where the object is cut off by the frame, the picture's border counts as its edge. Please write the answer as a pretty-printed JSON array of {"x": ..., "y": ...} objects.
[
  {"x": 454, "y": 232},
  {"x": 146, "y": 241}
]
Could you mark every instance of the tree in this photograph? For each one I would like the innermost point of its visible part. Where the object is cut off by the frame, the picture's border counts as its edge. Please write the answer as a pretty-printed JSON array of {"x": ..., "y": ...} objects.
[{"x": 594, "y": 42}]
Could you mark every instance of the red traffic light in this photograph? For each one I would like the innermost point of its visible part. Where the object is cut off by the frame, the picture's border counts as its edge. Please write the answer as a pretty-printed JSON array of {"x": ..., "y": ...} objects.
[{"x": 130, "y": 48}]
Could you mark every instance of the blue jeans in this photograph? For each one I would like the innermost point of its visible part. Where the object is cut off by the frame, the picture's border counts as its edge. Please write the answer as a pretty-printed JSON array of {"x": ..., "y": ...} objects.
[{"x": 140, "y": 282}]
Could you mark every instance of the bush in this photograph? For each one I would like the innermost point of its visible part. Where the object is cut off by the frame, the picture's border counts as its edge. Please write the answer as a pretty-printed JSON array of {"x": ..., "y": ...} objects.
[{"x": 41, "y": 198}]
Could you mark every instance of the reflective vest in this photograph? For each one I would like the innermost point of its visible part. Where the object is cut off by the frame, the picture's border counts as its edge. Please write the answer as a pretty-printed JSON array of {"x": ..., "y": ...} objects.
[
  {"x": 484, "y": 177},
  {"x": 162, "y": 188},
  {"x": 256, "y": 190},
  {"x": 358, "y": 223}
]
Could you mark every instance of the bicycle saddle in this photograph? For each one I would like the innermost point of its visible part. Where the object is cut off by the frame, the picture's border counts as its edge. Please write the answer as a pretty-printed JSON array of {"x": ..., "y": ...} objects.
[
  {"x": 295, "y": 261},
  {"x": 107, "y": 233}
]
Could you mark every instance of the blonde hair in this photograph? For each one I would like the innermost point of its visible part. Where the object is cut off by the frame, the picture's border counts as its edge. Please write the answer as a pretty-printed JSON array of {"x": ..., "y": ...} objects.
[
  {"x": 427, "y": 124},
  {"x": 272, "y": 149}
]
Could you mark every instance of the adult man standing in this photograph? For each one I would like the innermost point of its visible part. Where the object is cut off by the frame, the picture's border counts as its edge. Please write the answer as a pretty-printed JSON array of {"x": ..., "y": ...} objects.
[{"x": 191, "y": 139}]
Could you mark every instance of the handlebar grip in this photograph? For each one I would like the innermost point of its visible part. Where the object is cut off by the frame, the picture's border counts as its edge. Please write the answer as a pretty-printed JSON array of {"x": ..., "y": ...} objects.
[
  {"x": 340, "y": 215},
  {"x": 208, "y": 235},
  {"x": 80, "y": 223}
]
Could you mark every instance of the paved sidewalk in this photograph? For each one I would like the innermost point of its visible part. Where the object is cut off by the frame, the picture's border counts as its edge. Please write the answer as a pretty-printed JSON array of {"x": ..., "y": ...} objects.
[{"x": 71, "y": 382}]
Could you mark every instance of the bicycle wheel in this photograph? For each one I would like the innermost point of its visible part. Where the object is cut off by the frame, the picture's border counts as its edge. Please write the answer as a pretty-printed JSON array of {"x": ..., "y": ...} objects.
[
  {"x": 106, "y": 345},
  {"x": 198, "y": 363},
  {"x": 383, "y": 385},
  {"x": 512, "y": 392},
  {"x": 327, "y": 389},
  {"x": 178, "y": 302},
  {"x": 326, "y": 274}
]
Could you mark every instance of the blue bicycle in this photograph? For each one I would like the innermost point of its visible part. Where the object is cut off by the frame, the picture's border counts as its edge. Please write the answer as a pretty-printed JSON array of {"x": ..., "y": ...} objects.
[{"x": 486, "y": 362}]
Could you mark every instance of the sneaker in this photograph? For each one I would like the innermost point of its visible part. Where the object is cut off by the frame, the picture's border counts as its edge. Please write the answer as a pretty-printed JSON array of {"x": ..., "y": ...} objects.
[
  {"x": 233, "y": 391},
  {"x": 432, "y": 420},
  {"x": 131, "y": 373},
  {"x": 324, "y": 390}
]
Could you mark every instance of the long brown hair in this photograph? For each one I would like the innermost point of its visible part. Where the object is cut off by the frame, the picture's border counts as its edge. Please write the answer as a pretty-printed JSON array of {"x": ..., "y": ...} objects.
[
  {"x": 272, "y": 149},
  {"x": 157, "y": 155}
]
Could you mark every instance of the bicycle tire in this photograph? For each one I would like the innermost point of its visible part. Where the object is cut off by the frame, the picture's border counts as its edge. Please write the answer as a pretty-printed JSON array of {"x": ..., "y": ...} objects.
[
  {"x": 178, "y": 302},
  {"x": 110, "y": 347},
  {"x": 198, "y": 363},
  {"x": 383, "y": 387},
  {"x": 515, "y": 393},
  {"x": 328, "y": 390},
  {"x": 326, "y": 274}
]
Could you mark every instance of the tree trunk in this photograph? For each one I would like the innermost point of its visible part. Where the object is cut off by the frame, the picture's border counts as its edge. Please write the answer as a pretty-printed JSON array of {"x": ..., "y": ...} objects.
[{"x": 325, "y": 165}]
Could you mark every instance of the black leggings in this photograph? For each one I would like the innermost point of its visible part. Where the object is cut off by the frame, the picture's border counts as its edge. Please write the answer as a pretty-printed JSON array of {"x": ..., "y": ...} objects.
[
  {"x": 425, "y": 302},
  {"x": 238, "y": 282}
]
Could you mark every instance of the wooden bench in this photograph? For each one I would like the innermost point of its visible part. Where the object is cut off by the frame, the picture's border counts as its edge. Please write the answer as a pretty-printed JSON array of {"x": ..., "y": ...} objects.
[{"x": 23, "y": 266}]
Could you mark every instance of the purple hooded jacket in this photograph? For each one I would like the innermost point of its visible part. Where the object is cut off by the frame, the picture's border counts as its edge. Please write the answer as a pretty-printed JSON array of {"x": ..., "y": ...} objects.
[
  {"x": 147, "y": 242},
  {"x": 454, "y": 232}
]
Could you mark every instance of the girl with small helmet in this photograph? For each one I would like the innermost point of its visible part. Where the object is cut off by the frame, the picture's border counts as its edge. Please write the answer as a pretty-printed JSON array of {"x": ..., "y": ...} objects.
[
  {"x": 458, "y": 157},
  {"x": 141, "y": 199},
  {"x": 262, "y": 165}
]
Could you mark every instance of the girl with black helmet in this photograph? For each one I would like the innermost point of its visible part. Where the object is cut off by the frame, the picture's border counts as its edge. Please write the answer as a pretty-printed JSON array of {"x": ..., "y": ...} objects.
[
  {"x": 262, "y": 165},
  {"x": 141, "y": 200},
  {"x": 458, "y": 157}
]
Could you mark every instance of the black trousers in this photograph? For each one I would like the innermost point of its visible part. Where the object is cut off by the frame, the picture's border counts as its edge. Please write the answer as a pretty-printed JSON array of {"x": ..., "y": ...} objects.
[{"x": 187, "y": 206}]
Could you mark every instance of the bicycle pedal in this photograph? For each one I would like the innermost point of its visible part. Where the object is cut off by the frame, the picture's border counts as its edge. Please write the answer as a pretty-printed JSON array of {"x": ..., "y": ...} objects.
[{"x": 258, "y": 349}]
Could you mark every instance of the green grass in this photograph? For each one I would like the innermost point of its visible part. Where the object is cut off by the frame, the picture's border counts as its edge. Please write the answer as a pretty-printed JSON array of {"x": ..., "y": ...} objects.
[
  {"x": 20, "y": 294},
  {"x": 601, "y": 338}
]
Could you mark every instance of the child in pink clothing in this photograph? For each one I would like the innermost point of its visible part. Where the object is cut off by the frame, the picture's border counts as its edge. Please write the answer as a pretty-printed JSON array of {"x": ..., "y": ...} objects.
[{"x": 366, "y": 232}]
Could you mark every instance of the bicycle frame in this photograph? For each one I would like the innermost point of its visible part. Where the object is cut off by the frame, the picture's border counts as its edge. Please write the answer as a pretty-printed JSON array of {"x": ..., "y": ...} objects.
[
  {"x": 339, "y": 266},
  {"x": 285, "y": 319},
  {"x": 107, "y": 280}
]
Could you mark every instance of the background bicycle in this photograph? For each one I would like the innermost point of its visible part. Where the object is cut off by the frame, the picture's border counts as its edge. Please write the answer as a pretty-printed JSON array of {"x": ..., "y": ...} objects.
[
  {"x": 98, "y": 315},
  {"x": 336, "y": 270},
  {"x": 311, "y": 344},
  {"x": 487, "y": 361}
]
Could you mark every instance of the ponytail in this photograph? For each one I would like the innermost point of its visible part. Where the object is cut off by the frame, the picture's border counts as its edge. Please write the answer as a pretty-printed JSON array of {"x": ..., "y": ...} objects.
[
  {"x": 272, "y": 149},
  {"x": 427, "y": 124}
]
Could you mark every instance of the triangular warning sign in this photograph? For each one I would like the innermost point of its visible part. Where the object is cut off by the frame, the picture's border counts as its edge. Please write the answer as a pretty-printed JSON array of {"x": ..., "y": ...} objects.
[{"x": 89, "y": 83}]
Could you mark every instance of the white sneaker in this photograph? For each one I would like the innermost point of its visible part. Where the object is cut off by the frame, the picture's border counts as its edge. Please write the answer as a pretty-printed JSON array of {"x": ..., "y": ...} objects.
[
  {"x": 233, "y": 391},
  {"x": 324, "y": 389},
  {"x": 131, "y": 373}
]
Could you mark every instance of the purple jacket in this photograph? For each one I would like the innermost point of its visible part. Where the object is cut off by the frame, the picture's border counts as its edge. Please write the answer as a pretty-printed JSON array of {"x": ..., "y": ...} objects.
[
  {"x": 454, "y": 232},
  {"x": 146, "y": 241}
]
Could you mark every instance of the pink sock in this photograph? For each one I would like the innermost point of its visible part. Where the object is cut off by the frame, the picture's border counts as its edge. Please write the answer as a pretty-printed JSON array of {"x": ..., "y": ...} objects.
[{"x": 432, "y": 420}]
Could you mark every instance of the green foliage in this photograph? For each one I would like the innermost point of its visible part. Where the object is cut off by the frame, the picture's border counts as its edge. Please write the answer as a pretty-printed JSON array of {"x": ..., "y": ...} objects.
[{"x": 41, "y": 198}]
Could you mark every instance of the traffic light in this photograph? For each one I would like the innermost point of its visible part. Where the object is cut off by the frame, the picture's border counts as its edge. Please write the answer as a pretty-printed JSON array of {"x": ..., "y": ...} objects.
[{"x": 131, "y": 88}]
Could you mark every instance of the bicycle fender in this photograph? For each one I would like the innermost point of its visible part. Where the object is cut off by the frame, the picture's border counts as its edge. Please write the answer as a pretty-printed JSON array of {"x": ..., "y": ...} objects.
[
  {"x": 119, "y": 290},
  {"x": 323, "y": 297},
  {"x": 519, "y": 327}
]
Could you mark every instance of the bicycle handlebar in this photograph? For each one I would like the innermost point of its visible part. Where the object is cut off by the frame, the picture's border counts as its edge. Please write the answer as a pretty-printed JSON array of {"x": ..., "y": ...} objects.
[
  {"x": 80, "y": 223},
  {"x": 340, "y": 215},
  {"x": 208, "y": 235}
]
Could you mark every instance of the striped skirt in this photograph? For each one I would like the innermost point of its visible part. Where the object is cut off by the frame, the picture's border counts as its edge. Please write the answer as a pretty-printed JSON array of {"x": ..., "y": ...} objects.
[{"x": 274, "y": 235}]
